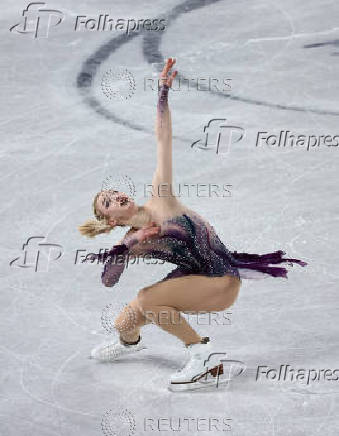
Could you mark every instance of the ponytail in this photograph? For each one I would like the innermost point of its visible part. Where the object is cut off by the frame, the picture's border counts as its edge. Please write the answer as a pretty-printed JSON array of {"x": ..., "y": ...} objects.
[{"x": 91, "y": 228}]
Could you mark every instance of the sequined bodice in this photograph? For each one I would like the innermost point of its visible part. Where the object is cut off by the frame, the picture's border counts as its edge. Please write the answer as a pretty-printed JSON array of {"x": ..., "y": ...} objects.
[
  {"x": 190, "y": 243},
  {"x": 193, "y": 245}
]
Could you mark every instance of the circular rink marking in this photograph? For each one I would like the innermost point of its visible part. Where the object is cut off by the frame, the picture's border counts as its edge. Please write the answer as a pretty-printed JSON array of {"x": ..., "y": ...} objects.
[{"x": 152, "y": 53}]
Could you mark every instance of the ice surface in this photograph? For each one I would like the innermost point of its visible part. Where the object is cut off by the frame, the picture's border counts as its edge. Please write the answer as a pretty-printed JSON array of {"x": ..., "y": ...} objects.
[{"x": 61, "y": 137}]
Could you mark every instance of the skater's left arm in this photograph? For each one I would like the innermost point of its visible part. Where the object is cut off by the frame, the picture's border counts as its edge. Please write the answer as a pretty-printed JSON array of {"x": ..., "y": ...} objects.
[{"x": 162, "y": 179}]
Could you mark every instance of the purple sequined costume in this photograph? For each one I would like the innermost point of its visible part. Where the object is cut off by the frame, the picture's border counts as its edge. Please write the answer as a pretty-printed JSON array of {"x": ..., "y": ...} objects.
[{"x": 193, "y": 245}]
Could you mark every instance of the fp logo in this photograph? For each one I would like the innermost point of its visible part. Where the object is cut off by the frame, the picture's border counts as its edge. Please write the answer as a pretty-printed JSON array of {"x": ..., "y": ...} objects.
[
  {"x": 38, "y": 20},
  {"x": 37, "y": 255},
  {"x": 223, "y": 372},
  {"x": 219, "y": 136}
]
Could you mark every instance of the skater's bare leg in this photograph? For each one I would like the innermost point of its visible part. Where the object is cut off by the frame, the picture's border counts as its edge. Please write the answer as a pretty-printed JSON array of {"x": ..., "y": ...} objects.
[
  {"x": 171, "y": 320},
  {"x": 162, "y": 302},
  {"x": 129, "y": 322}
]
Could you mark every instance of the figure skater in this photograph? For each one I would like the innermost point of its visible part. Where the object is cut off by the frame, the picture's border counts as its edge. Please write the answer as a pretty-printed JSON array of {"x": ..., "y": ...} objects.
[{"x": 207, "y": 277}]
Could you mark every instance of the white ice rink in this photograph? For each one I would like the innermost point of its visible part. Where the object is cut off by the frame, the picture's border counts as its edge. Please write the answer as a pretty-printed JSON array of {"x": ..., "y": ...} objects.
[{"x": 61, "y": 137}]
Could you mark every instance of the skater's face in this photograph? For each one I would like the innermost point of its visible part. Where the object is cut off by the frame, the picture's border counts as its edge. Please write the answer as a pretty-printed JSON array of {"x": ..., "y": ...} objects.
[{"x": 115, "y": 206}]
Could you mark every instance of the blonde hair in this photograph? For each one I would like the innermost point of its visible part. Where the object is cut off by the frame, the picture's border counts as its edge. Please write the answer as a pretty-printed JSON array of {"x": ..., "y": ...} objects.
[{"x": 92, "y": 228}]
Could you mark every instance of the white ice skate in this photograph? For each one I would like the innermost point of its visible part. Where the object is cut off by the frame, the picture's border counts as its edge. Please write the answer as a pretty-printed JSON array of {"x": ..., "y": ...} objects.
[
  {"x": 204, "y": 369},
  {"x": 110, "y": 351}
]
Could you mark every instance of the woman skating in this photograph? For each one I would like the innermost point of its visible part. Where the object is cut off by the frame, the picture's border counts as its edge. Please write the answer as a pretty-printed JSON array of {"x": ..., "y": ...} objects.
[{"x": 207, "y": 277}]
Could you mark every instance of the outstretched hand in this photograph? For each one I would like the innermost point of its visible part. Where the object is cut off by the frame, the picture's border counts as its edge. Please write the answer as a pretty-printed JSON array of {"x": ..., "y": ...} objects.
[{"x": 165, "y": 78}]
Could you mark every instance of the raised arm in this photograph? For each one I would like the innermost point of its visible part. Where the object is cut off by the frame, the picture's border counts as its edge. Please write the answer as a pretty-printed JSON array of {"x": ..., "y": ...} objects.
[{"x": 163, "y": 130}]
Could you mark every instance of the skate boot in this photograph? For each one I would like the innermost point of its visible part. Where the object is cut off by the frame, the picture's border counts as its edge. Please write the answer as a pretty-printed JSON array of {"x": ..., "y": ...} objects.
[
  {"x": 204, "y": 369},
  {"x": 110, "y": 351}
]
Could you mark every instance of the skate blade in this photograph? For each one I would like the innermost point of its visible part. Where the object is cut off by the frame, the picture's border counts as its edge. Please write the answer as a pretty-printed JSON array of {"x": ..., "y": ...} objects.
[
  {"x": 215, "y": 377},
  {"x": 212, "y": 377},
  {"x": 109, "y": 356},
  {"x": 183, "y": 387}
]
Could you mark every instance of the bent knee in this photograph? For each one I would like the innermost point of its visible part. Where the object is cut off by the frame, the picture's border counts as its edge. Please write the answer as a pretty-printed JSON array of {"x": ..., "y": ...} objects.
[{"x": 143, "y": 299}]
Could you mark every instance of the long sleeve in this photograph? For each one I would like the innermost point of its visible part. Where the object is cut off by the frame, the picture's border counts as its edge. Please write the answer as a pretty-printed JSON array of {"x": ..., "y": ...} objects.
[
  {"x": 114, "y": 261},
  {"x": 114, "y": 265}
]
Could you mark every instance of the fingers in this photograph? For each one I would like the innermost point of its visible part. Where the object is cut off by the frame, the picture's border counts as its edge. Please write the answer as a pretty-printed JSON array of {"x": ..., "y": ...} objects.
[
  {"x": 164, "y": 74},
  {"x": 153, "y": 229},
  {"x": 171, "y": 78},
  {"x": 169, "y": 64}
]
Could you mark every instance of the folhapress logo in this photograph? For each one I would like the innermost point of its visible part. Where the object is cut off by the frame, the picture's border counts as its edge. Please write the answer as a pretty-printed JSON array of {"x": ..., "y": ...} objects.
[
  {"x": 37, "y": 20},
  {"x": 37, "y": 254},
  {"x": 219, "y": 136}
]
